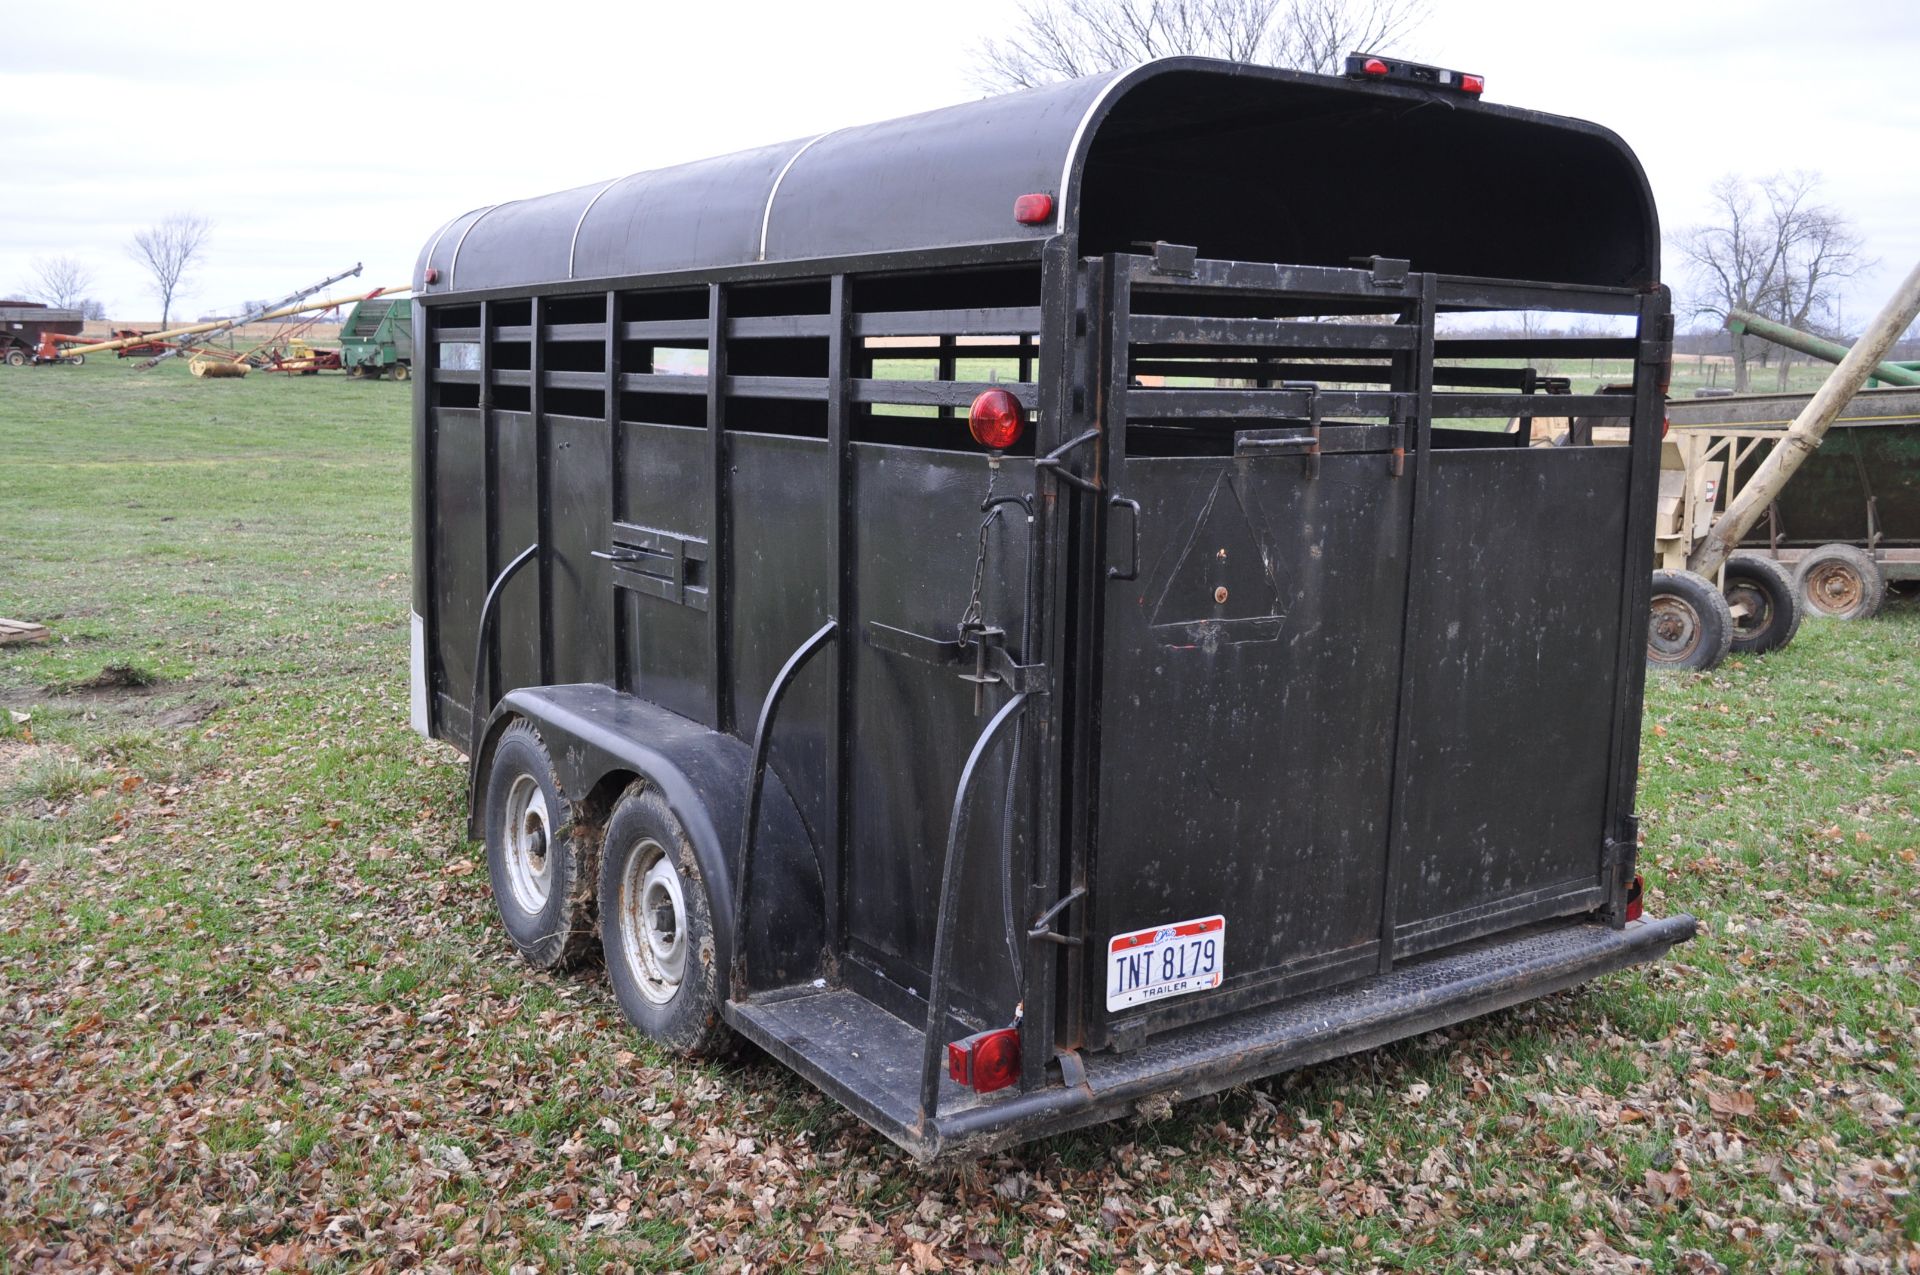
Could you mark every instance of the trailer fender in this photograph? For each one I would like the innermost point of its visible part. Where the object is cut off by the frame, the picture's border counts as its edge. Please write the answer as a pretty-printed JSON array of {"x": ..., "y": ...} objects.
[{"x": 600, "y": 739}]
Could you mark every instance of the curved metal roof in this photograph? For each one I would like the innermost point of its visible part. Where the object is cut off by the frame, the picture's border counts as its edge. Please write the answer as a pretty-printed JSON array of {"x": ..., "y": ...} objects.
[{"x": 948, "y": 178}]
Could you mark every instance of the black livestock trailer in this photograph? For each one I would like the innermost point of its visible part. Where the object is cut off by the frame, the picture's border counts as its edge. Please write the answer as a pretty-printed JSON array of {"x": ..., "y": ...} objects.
[{"x": 1041, "y": 605}]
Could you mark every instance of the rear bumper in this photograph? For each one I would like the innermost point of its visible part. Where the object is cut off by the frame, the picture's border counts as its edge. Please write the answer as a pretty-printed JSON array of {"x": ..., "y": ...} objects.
[{"x": 1418, "y": 996}]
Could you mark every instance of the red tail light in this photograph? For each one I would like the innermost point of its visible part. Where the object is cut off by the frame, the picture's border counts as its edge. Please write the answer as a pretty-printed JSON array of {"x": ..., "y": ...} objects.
[
  {"x": 1375, "y": 67},
  {"x": 1033, "y": 210},
  {"x": 985, "y": 1062},
  {"x": 1634, "y": 892},
  {"x": 996, "y": 420},
  {"x": 1473, "y": 84}
]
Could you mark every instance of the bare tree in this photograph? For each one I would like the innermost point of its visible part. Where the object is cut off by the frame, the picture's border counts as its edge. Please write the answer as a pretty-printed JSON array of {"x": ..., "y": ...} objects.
[
  {"x": 61, "y": 282},
  {"x": 1066, "y": 39},
  {"x": 1770, "y": 249},
  {"x": 168, "y": 251},
  {"x": 1317, "y": 35}
]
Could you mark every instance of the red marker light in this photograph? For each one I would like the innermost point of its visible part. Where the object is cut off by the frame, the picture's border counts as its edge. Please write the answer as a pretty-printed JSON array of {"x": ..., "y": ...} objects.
[
  {"x": 996, "y": 419},
  {"x": 985, "y": 1062},
  {"x": 1375, "y": 67},
  {"x": 1473, "y": 84},
  {"x": 432, "y": 275},
  {"x": 1634, "y": 892},
  {"x": 1033, "y": 210}
]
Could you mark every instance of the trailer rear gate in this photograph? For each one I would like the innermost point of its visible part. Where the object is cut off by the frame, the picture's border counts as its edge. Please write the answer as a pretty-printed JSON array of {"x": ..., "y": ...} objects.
[{"x": 1265, "y": 619}]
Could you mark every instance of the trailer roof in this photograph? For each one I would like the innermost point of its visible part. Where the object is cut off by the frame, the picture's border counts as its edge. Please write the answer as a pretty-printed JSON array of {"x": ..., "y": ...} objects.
[{"x": 1253, "y": 162}]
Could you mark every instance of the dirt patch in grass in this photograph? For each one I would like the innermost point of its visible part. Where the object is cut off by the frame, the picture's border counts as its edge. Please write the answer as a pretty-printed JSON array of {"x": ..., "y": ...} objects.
[{"x": 111, "y": 680}]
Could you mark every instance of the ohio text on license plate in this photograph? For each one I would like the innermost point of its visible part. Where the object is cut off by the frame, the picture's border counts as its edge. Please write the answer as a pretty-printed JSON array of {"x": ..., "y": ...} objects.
[{"x": 1167, "y": 960}]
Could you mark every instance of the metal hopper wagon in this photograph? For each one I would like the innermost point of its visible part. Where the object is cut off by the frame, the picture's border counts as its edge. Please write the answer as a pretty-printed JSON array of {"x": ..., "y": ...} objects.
[{"x": 1025, "y": 608}]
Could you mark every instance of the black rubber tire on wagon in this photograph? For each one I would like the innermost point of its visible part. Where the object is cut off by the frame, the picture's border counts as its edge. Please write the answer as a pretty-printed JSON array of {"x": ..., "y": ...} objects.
[
  {"x": 656, "y": 928},
  {"x": 16, "y": 358},
  {"x": 542, "y": 873},
  {"x": 1770, "y": 604},
  {"x": 1689, "y": 625},
  {"x": 400, "y": 371},
  {"x": 1841, "y": 581}
]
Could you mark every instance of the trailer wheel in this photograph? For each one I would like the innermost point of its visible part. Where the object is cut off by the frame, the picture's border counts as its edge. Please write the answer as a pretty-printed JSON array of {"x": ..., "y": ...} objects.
[
  {"x": 16, "y": 357},
  {"x": 1841, "y": 581},
  {"x": 542, "y": 876},
  {"x": 1768, "y": 606},
  {"x": 76, "y": 359},
  {"x": 656, "y": 928},
  {"x": 1690, "y": 625},
  {"x": 401, "y": 371}
]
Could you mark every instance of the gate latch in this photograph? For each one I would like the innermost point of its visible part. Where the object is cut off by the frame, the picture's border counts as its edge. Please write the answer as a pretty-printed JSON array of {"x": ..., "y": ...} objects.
[{"x": 1176, "y": 259}]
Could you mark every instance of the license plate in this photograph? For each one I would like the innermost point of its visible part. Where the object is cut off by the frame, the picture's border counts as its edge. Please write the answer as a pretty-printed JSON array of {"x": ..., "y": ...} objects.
[{"x": 1165, "y": 961}]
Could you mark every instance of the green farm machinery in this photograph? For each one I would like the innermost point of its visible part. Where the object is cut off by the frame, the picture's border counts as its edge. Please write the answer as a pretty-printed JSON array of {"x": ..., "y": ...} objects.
[{"x": 377, "y": 339}]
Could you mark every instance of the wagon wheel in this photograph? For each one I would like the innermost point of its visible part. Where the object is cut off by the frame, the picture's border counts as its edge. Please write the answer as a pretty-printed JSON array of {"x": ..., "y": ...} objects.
[
  {"x": 401, "y": 371},
  {"x": 1841, "y": 581},
  {"x": 76, "y": 359},
  {"x": 1766, "y": 607},
  {"x": 357, "y": 372},
  {"x": 16, "y": 358},
  {"x": 1689, "y": 625}
]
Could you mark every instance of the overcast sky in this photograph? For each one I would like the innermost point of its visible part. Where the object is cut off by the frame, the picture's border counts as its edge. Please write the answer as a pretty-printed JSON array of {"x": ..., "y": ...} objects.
[{"x": 318, "y": 138}]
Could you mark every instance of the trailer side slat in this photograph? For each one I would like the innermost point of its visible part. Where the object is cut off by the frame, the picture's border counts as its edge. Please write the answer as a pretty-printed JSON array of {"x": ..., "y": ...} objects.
[
  {"x": 664, "y": 330},
  {"x": 662, "y": 383},
  {"x": 576, "y": 332},
  {"x": 984, "y": 321},
  {"x": 1171, "y": 329}
]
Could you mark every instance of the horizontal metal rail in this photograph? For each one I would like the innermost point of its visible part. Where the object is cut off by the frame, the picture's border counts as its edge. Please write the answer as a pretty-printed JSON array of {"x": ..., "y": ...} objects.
[
  {"x": 1232, "y": 404},
  {"x": 1282, "y": 334}
]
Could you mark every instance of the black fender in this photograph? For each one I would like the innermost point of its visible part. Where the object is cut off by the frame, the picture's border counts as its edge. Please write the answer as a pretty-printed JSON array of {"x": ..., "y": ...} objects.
[{"x": 601, "y": 738}]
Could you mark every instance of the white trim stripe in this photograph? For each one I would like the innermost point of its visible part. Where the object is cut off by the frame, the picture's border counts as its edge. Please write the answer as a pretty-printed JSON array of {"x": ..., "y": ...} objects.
[
  {"x": 1073, "y": 148},
  {"x": 573, "y": 245},
  {"x": 766, "y": 217}
]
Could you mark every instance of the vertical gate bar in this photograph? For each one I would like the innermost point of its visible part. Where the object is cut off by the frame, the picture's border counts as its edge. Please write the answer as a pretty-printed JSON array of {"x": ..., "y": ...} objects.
[
  {"x": 1417, "y": 503},
  {"x": 1042, "y": 874},
  {"x": 719, "y": 584},
  {"x": 426, "y": 536},
  {"x": 1109, "y": 331},
  {"x": 490, "y": 502},
  {"x": 542, "y": 480},
  {"x": 1630, "y": 665},
  {"x": 944, "y": 371},
  {"x": 616, "y": 484},
  {"x": 840, "y": 343}
]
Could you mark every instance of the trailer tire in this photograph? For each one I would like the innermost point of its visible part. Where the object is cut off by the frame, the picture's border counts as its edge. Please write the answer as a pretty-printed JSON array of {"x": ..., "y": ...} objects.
[
  {"x": 401, "y": 371},
  {"x": 1841, "y": 581},
  {"x": 656, "y": 928},
  {"x": 1772, "y": 603},
  {"x": 1689, "y": 625},
  {"x": 542, "y": 872},
  {"x": 76, "y": 359},
  {"x": 16, "y": 357}
]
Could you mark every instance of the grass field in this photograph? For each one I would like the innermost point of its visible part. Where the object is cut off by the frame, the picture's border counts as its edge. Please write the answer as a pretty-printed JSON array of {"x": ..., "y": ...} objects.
[{"x": 254, "y": 1010}]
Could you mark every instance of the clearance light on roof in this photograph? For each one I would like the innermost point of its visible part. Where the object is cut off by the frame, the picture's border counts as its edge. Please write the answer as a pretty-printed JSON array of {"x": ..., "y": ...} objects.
[
  {"x": 996, "y": 419},
  {"x": 1371, "y": 66},
  {"x": 1033, "y": 210}
]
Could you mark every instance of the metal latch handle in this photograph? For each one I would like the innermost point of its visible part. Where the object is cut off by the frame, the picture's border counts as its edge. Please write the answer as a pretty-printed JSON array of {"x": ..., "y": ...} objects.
[{"x": 1133, "y": 557}]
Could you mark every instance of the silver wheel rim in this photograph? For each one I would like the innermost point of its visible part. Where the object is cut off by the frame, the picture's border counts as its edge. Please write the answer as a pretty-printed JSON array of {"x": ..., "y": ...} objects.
[
  {"x": 529, "y": 845},
  {"x": 653, "y": 922}
]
